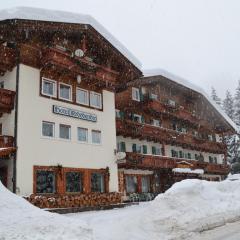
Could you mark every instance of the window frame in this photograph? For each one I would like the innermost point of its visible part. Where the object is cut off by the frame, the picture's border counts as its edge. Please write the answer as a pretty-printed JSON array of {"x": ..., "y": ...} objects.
[
  {"x": 133, "y": 95},
  {"x": 70, "y": 133},
  {"x": 86, "y": 135},
  {"x": 54, "y": 89},
  {"x": 82, "y": 181},
  {"x": 101, "y": 102},
  {"x": 54, "y": 182},
  {"x": 99, "y": 131},
  {"x": 59, "y": 91},
  {"x": 88, "y": 96},
  {"x": 54, "y": 133}
]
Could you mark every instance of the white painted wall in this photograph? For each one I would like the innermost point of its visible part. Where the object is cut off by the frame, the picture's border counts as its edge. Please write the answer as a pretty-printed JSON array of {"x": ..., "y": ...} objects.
[
  {"x": 33, "y": 149},
  {"x": 168, "y": 148}
]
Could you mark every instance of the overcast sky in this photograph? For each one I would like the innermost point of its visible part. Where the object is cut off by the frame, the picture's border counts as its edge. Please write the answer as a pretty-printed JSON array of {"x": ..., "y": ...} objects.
[{"x": 195, "y": 39}]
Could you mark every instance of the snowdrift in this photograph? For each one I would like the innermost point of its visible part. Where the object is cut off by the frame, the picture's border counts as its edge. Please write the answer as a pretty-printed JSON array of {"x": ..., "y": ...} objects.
[
  {"x": 20, "y": 220},
  {"x": 193, "y": 206}
]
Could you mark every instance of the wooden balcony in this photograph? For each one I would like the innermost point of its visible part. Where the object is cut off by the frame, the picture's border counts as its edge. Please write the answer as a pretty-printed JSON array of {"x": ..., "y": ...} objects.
[
  {"x": 64, "y": 59},
  {"x": 6, "y": 100},
  {"x": 7, "y": 59},
  {"x": 6, "y": 141},
  {"x": 127, "y": 128},
  {"x": 150, "y": 162},
  {"x": 158, "y": 107}
]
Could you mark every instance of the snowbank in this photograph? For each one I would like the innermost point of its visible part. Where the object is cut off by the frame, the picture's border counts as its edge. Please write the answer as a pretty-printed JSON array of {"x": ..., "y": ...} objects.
[
  {"x": 193, "y": 206},
  {"x": 186, "y": 209},
  {"x": 20, "y": 220}
]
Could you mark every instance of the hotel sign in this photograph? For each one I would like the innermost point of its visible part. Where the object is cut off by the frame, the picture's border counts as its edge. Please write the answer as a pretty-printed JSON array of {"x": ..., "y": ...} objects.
[{"x": 74, "y": 113}]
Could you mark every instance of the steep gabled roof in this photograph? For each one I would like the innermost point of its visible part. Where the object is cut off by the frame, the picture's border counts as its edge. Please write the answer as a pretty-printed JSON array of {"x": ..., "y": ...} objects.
[
  {"x": 28, "y": 13},
  {"x": 187, "y": 84}
]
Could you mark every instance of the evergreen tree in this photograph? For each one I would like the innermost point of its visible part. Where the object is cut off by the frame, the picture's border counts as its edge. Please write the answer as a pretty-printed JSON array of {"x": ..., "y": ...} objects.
[
  {"x": 237, "y": 105},
  {"x": 228, "y": 105},
  {"x": 214, "y": 96}
]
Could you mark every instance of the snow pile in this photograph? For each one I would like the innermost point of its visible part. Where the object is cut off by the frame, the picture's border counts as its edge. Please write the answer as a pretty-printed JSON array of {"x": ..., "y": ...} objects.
[
  {"x": 186, "y": 209},
  {"x": 193, "y": 206},
  {"x": 233, "y": 177},
  {"x": 188, "y": 170},
  {"x": 20, "y": 220}
]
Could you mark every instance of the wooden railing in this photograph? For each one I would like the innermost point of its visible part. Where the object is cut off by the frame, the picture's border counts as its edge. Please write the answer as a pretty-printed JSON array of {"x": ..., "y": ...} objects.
[
  {"x": 156, "y": 162},
  {"x": 76, "y": 64},
  {"x": 6, "y": 141},
  {"x": 127, "y": 128},
  {"x": 6, "y": 100},
  {"x": 7, "y": 58}
]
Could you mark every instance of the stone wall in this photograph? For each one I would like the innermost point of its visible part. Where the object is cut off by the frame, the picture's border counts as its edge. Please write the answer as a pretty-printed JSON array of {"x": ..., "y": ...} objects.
[{"x": 75, "y": 200}]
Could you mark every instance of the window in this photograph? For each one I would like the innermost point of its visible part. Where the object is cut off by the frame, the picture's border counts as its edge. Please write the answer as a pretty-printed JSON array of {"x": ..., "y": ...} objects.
[
  {"x": 96, "y": 136},
  {"x": 121, "y": 147},
  {"x": 82, "y": 96},
  {"x": 172, "y": 103},
  {"x": 156, "y": 123},
  {"x": 95, "y": 100},
  {"x": 2, "y": 84},
  {"x": 156, "y": 150},
  {"x": 210, "y": 138},
  {"x": 144, "y": 149},
  {"x": 136, "y": 148},
  {"x": 181, "y": 154},
  {"x": 136, "y": 94},
  {"x": 153, "y": 96},
  {"x": 74, "y": 182},
  {"x": 118, "y": 115},
  {"x": 215, "y": 160},
  {"x": 49, "y": 87},
  {"x": 174, "y": 153},
  {"x": 48, "y": 129},
  {"x": 210, "y": 159},
  {"x": 189, "y": 156},
  {"x": 97, "y": 182},
  {"x": 65, "y": 91},
  {"x": 64, "y": 131},
  {"x": 137, "y": 118},
  {"x": 145, "y": 184},
  {"x": 82, "y": 134},
  {"x": 131, "y": 184},
  {"x": 45, "y": 181}
]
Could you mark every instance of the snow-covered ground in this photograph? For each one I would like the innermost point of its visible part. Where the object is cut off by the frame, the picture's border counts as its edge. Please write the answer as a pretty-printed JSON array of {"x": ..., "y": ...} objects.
[
  {"x": 20, "y": 220},
  {"x": 184, "y": 211},
  {"x": 228, "y": 232},
  {"x": 188, "y": 208}
]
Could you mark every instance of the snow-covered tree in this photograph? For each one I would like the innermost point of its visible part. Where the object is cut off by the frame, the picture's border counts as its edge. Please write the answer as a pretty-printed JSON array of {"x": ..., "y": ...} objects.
[
  {"x": 215, "y": 97},
  {"x": 228, "y": 105},
  {"x": 237, "y": 105}
]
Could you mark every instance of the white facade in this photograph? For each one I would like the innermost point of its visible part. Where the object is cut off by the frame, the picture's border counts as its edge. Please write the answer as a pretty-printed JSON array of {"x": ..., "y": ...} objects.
[{"x": 36, "y": 150}]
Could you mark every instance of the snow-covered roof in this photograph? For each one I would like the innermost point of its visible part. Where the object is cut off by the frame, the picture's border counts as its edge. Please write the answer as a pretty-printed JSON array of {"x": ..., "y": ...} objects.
[
  {"x": 40, "y": 14},
  {"x": 186, "y": 83},
  {"x": 188, "y": 170}
]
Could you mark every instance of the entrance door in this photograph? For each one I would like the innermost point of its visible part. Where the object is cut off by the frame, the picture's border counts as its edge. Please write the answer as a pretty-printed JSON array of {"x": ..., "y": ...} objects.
[{"x": 3, "y": 175}]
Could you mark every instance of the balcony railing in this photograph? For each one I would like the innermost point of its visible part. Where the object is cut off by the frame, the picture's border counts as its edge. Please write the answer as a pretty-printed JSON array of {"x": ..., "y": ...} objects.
[
  {"x": 127, "y": 128},
  {"x": 7, "y": 58},
  {"x": 6, "y": 141},
  {"x": 6, "y": 100},
  {"x": 156, "y": 162},
  {"x": 65, "y": 60}
]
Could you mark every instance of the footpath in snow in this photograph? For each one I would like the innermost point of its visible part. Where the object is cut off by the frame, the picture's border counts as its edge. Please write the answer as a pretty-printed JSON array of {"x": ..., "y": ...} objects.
[{"x": 186, "y": 209}]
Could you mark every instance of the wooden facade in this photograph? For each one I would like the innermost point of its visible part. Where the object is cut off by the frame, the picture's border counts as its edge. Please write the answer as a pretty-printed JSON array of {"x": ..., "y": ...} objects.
[{"x": 186, "y": 119}]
